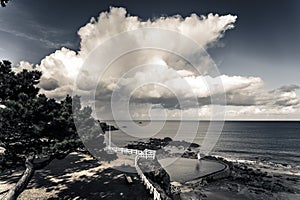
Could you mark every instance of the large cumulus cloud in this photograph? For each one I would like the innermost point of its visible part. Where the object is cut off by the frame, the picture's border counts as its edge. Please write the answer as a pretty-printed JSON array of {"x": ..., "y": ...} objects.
[
  {"x": 244, "y": 95},
  {"x": 63, "y": 65},
  {"x": 204, "y": 29}
]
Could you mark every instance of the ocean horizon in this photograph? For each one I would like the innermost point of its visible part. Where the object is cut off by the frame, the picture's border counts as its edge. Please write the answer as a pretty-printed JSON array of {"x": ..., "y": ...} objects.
[{"x": 267, "y": 144}]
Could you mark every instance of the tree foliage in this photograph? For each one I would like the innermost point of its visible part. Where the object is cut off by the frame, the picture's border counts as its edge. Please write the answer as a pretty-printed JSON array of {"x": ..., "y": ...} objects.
[
  {"x": 31, "y": 123},
  {"x": 34, "y": 129},
  {"x": 3, "y": 2}
]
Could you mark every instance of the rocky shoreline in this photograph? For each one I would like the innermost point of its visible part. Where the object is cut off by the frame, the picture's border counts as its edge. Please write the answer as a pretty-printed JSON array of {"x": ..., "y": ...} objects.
[
  {"x": 241, "y": 181},
  {"x": 244, "y": 182}
]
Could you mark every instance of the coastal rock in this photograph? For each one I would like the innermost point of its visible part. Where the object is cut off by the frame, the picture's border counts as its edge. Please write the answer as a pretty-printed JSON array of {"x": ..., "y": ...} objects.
[
  {"x": 159, "y": 144},
  {"x": 189, "y": 154},
  {"x": 159, "y": 177},
  {"x": 238, "y": 179},
  {"x": 167, "y": 140},
  {"x": 247, "y": 180},
  {"x": 106, "y": 127},
  {"x": 152, "y": 143}
]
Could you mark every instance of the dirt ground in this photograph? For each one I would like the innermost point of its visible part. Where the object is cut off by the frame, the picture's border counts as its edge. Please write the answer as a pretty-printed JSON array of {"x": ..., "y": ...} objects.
[{"x": 78, "y": 176}]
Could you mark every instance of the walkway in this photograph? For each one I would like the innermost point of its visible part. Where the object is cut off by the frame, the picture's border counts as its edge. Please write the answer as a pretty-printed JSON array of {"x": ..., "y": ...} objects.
[{"x": 148, "y": 154}]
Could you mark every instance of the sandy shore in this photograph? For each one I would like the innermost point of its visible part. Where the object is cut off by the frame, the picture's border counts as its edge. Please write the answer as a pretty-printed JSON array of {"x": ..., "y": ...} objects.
[{"x": 78, "y": 176}]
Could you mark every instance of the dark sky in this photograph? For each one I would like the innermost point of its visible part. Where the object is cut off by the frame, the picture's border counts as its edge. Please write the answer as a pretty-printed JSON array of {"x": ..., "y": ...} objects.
[{"x": 265, "y": 42}]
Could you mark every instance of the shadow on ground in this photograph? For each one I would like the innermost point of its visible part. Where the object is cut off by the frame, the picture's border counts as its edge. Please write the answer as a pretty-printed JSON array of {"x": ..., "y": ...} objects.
[{"x": 77, "y": 177}]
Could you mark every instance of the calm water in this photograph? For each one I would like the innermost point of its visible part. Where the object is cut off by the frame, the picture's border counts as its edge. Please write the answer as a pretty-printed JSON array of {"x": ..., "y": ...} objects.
[
  {"x": 184, "y": 169},
  {"x": 274, "y": 144}
]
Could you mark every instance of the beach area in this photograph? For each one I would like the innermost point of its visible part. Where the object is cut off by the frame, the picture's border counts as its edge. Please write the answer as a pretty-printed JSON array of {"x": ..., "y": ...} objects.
[{"x": 79, "y": 176}]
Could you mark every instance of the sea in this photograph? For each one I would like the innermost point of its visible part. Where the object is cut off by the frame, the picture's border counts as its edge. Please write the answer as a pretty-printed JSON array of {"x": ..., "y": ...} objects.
[{"x": 266, "y": 144}]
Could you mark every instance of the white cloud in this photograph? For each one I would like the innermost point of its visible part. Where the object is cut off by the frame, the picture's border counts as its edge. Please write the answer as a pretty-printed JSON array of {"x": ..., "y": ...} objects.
[
  {"x": 63, "y": 65},
  {"x": 245, "y": 95},
  {"x": 37, "y": 38},
  {"x": 23, "y": 65},
  {"x": 204, "y": 29}
]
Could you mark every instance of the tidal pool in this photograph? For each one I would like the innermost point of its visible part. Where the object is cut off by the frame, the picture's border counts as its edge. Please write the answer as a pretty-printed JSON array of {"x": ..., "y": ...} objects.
[{"x": 184, "y": 169}]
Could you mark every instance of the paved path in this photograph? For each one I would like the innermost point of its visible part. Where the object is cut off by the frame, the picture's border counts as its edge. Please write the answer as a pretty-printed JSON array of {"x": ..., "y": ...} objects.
[{"x": 184, "y": 169}]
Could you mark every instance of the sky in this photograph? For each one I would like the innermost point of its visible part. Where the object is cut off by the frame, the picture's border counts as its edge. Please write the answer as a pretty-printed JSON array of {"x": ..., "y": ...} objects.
[{"x": 255, "y": 45}]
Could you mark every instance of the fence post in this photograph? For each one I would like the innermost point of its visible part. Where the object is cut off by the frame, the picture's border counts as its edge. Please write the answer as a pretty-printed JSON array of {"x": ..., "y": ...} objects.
[{"x": 145, "y": 154}]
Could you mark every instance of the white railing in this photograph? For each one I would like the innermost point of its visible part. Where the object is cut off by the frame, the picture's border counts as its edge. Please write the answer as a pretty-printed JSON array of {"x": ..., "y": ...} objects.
[
  {"x": 175, "y": 189},
  {"x": 146, "y": 182},
  {"x": 147, "y": 153}
]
